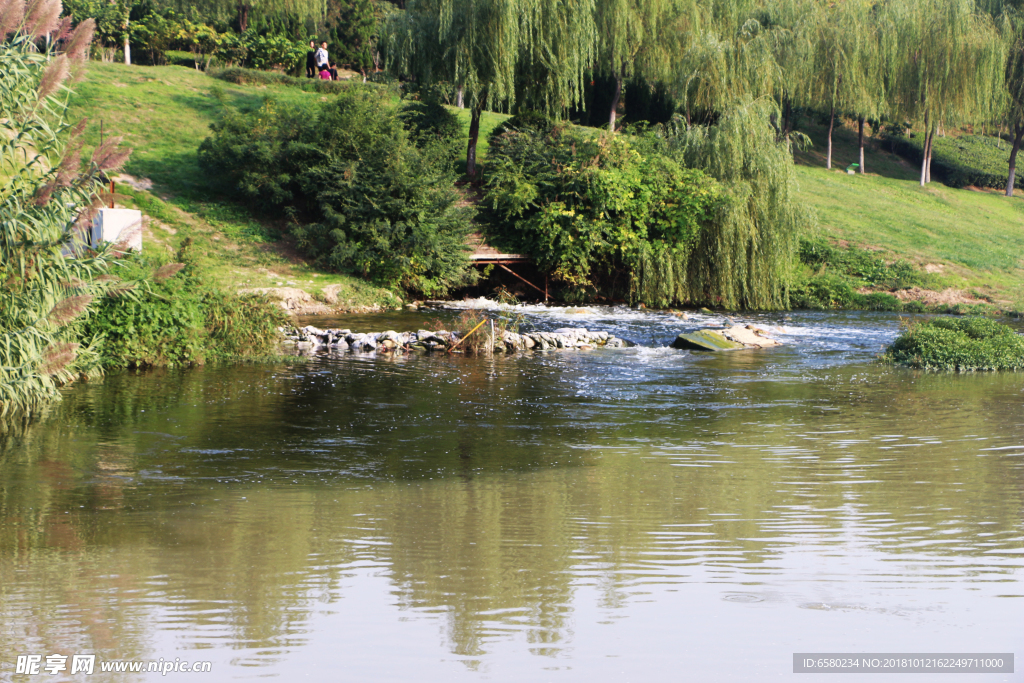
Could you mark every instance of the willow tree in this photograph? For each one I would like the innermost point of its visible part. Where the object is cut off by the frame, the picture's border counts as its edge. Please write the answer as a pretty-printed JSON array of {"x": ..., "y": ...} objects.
[
  {"x": 226, "y": 9},
  {"x": 46, "y": 205},
  {"x": 479, "y": 44},
  {"x": 639, "y": 37},
  {"x": 839, "y": 74},
  {"x": 1013, "y": 29},
  {"x": 739, "y": 51},
  {"x": 743, "y": 258},
  {"x": 947, "y": 65}
]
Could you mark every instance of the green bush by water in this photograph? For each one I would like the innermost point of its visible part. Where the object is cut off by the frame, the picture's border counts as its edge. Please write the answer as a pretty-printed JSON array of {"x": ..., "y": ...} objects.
[
  {"x": 368, "y": 190},
  {"x": 181, "y": 320},
  {"x": 958, "y": 344},
  {"x": 595, "y": 209},
  {"x": 840, "y": 272}
]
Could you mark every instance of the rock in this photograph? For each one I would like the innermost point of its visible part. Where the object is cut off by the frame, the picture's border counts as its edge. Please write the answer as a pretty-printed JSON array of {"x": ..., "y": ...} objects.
[
  {"x": 412, "y": 307},
  {"x": 705, "y": 340},
  {"x": 707, "y": 311},
  {"x": 748, "y": 337},
  {"x": 389, "y": 344}
]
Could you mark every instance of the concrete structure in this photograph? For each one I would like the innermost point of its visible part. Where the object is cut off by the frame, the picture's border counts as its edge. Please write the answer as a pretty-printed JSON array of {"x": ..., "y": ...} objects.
[{"x": 118, "y": 225}]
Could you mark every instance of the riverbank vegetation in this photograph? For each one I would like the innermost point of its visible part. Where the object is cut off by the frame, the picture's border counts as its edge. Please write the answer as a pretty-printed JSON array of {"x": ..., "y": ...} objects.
[
  {"x": 45, "y": 209},
  {"x": 369, "y": 187},
  {"x": 690, "y": 214},
  {"x": 815, "y": 72},
  {"x": 961, "y": 344},
  {"x": 179, "y": 318}
]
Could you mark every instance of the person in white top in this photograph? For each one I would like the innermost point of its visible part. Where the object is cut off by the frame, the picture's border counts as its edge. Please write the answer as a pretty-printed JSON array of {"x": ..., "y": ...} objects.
[{"x": 321, "y": 58}]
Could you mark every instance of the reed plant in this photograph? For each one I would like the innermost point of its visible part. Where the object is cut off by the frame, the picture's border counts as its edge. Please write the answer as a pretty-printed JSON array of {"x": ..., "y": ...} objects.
[{"x": 49, "y": 278}]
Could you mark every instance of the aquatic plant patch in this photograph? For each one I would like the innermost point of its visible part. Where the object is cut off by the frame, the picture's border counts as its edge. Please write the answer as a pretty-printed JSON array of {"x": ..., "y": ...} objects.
[{"x": 960, "y": 344}]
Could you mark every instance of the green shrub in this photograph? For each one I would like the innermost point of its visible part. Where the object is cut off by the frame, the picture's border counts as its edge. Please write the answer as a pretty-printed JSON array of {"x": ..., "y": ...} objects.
[
  {"x": 958, "y": 344},
  {"x": 588, "y": 208},
  {"x": 430, "y": 120},
  {"x": 364, "y": 196},
  {"x": 824, "y": 292},
  {"x": 181, "y": 320}
]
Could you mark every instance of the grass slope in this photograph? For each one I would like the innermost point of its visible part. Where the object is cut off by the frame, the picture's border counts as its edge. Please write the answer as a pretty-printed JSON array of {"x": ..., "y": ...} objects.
[
  {"x": 164, "y": 113},
  {"x": 976, "y": 237}
]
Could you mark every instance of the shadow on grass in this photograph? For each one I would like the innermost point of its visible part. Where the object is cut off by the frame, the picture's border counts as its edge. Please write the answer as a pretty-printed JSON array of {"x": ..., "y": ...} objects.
[{"x": 845, "y": 151}]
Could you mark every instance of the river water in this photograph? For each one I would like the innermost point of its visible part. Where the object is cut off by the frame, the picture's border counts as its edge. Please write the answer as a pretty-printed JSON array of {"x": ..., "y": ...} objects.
[{"x": 638, "y": 514}]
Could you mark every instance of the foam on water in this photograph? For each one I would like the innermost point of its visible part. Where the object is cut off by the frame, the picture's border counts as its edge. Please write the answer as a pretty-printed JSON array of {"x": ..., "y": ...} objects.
[{"x": 862, "y": 334}]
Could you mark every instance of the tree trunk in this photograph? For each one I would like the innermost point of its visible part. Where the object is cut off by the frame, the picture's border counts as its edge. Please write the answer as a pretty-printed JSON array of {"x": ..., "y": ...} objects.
[
  {"x": 474, "y": 133},
  {"x": 860, "y": 141},
  {"x": 1018, "y": 135},
  {"x": 459, "y": 102},
  {"x": 243, "y": 18},
  {"x": 928, "y": 168},
  {"x": 127, "y": 46},
  {"x": 924, "y": 151},
  {"x": 831, "y": 124},
  {"x": 615, "y": 101}
]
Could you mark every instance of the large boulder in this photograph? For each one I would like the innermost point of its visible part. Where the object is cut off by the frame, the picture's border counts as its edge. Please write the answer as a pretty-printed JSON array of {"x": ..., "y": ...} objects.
[
  {"x": 705, "y": 340},
  {"x": 749, "y": 336},
  {"x": 736, "y": 337}
]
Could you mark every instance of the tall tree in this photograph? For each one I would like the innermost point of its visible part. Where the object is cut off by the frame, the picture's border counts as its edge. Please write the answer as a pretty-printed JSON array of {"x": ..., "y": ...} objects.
[
  {"x": 639, "y": 38},
  {"x": 479, "y": 44},
  {"x": 1013, "y": 30},
  {"x": 946, "y": 63},
  {"x": 737, "y": 51},
  {"x": 243, "y": 9},
  {"x": 839, "y": 75}
]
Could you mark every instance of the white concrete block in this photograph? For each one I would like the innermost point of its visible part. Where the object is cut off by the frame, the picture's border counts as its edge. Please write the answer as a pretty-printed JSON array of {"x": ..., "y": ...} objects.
[{"x": 116, "y": 225}]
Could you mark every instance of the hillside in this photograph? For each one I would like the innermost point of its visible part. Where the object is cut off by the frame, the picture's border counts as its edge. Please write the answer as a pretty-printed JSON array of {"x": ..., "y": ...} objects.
[
  {"x": 163, "y": 114},
  {"x": 966, "y": 239},
  {"x": 969, "y": 239}
]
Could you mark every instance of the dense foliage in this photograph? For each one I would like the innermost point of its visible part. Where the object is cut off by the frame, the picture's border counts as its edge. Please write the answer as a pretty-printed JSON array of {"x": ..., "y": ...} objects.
[
  {"x": 959, "y": 344},
  {"x": 368, "y": 193},
  {"x": 595, "y": 210},
  {"x": 158, "y": 32},
  {"x": 699, "y": 214},
  {"x": 46, "y": 209},
  {"x": 180, "y": 319},
  {"x": 745, "y": 260}
]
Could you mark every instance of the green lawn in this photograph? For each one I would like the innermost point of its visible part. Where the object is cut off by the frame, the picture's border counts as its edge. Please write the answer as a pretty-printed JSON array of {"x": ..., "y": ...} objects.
[
  {"x": 976, "y": 236},
  {"x": 164, "y": 113}
]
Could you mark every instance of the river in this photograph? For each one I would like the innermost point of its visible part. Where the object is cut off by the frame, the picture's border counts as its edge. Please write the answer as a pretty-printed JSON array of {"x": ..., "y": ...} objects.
[{"x": 638, "y": 514}]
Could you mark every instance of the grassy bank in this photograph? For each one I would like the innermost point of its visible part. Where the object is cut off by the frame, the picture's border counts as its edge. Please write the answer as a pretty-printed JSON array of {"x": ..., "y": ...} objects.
[
  {"x": 164, "y": 113},
  {"x": 965, "y": 239},
  {"x": 965, "y": 244}
]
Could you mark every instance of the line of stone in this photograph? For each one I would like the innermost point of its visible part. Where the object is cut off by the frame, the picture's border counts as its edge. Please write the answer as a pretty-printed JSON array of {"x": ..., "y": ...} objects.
[{"x": 424, "y": 341}]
